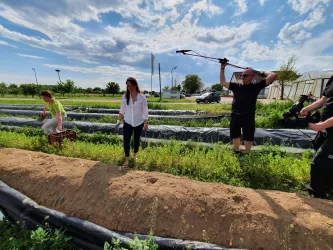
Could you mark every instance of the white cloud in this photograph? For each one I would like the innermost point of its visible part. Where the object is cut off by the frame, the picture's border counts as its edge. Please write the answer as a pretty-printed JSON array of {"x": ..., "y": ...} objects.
[
  {"x": 119, "y": 71},
  {"x": 304, "y": 6},
  {"x": 309, "y": 55},
  {"x": 170, "y": 4},
  {"x": 255, "y": 51},
  {"x": 281, "y": 8},
  {"x": 30, "y": 56},
  {"x": 7, "y": 44},
  {"x": 315, "y": 18},
  {"x": 296, "y": 32},
  {"x": 128, "y": 42},
  {"x": 242, "y": 7},
  {"x": 316, "y": 46},
  {"x": 207, "y": 7},
  {"x": 160, "y": 27},
  {"x": 262, "y": 2},
  {"x": 293, "y": 33}
]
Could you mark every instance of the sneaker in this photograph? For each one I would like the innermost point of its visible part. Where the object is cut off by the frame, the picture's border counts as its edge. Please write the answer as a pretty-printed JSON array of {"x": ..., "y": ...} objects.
[{"x": 311, "y": 191}]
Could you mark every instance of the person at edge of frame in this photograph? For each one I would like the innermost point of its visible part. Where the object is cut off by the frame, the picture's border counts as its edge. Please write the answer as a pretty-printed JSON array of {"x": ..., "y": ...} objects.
[
  {"x": 244, "y": 104},
  {"x": 321, "y": 173},
  {"x": 57, "y": 111},
  {"x": 134, "y": 111}
]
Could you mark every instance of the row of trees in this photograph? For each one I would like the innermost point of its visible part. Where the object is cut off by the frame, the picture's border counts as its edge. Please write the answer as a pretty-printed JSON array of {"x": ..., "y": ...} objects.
[
  {"x": 67, "y": 87},
  {"x": 191, "y": 84}
]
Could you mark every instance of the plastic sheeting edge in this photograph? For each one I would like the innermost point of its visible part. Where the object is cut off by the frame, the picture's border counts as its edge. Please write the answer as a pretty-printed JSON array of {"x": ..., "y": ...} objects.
[{"x": 87, "y": 235}]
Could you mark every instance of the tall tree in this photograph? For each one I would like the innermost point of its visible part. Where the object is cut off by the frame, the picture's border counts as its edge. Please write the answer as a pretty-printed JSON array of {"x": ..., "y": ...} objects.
[
  {"x": 3, "y": 88},
  {"x": 89, "y": 90},
  {"x": 13, "y": 89},
  {"x": 192, "y": 84},
  {"x": 29, "y": 89},
  {"x": 217, "y": 87},
  {"x": 97, "y": 90},
  {"x": 66, "y": 87},
  {"x": 112, "y": 88},
  {"x": 287, "y": 73}
]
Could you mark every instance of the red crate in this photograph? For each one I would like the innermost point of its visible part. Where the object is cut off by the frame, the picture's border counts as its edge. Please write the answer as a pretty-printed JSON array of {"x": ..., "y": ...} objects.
[{"x": 55, "y": 138}]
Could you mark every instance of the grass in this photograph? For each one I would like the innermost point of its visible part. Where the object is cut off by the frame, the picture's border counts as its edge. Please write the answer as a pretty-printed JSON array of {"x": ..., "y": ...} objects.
[{"x": 16, "y": 237}]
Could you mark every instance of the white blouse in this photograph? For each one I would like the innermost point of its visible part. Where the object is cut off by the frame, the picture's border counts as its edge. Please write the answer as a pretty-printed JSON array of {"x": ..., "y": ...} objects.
[{"x": 134, "y": 113}]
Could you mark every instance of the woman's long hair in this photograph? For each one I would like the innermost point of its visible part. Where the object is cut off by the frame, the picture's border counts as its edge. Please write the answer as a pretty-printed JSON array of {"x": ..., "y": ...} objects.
[{"x": 134, "y": 83}]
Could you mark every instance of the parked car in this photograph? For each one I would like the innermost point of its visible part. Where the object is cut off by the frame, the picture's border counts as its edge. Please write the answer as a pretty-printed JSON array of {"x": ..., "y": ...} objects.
[
  {"x": 181, "y": 96},
  {"x": 156, "y": 95},
  {"x": 147, "y": 95},
  {"x": 209, "y": 97}
]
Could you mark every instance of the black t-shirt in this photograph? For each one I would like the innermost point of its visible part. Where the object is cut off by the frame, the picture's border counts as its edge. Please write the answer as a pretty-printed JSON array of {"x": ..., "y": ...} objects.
[
  {"x": 327, "y": 111},
  {"x": 245, "y": 96}
]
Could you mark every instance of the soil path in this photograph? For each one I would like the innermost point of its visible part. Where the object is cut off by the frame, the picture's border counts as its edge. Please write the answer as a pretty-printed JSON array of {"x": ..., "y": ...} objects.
[{"x": 170, "y": 206}]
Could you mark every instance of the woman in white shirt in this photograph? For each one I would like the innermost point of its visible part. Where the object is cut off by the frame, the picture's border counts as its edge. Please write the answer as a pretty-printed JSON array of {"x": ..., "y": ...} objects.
[{"x": 134, "y": 111}]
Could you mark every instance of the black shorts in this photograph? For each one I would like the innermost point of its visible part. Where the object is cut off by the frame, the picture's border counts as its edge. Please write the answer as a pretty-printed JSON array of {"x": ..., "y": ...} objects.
[{"x": 244, "y": 122}]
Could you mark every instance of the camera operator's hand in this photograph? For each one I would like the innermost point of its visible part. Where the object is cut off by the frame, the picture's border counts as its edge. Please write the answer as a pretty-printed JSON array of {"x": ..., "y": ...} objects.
[
  {"x": 317, "y": 126},
  {"x": 116, "y": 127},
  {"x": 304, "y": 112}
]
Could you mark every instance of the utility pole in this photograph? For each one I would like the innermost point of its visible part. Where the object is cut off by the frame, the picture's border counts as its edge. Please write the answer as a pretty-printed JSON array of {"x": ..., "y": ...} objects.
[
  {"x": 36, "y": 81},
  {"x": 159, "y": 74},
  {"x": 152, "y": 73},
  {"x": 58, "y": 70},
  {"x": 172, "y": 75}
]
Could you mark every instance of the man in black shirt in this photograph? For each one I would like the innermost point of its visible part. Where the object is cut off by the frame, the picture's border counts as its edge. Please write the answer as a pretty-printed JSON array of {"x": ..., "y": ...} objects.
[
  {"x": 244, "y": 105},
  {"x": 322, "y": 163}
]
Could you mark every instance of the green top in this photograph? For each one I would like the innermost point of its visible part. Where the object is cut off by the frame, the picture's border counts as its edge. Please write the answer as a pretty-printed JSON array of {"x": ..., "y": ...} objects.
[{"x": 54, "y": 107}]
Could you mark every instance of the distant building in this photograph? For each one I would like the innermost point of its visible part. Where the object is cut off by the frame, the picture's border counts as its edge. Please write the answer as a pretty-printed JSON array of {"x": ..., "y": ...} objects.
[{"x": 313, "y": 82}]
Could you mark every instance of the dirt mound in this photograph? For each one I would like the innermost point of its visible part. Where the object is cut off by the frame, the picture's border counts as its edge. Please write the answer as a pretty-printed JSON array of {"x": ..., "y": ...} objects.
[{"x": 170, "y": 206}]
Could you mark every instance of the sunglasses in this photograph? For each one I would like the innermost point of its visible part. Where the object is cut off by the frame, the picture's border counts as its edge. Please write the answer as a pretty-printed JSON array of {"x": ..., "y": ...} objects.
[{"x": 245, "y": 75}]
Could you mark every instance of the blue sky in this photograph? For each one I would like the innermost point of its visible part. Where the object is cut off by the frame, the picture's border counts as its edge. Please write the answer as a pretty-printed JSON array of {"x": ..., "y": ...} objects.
[{"x": 96, "y": 41}]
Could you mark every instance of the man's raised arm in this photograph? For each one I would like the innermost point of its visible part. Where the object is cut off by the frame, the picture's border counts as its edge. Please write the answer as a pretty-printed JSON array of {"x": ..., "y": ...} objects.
[
  {"x": 223, "y": 82},
  {"x": 270, "y": 76}
]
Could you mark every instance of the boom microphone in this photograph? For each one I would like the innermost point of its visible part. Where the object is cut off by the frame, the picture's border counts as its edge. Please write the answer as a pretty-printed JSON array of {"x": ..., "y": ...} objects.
[{"x": 183, "y": 51}]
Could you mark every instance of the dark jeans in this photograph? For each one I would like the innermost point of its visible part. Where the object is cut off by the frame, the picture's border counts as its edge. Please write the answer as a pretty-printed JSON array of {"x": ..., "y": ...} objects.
[
  {"x": 322, "y": 172},
  {"x": 127, "y": 134}
]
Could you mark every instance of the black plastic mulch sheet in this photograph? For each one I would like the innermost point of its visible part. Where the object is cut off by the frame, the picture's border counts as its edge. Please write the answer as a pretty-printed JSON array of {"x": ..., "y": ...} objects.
[
  {"x": 18, "y": 207},
  {"x": 86, "y": 116},
  {"x": 283, "y": 137},
  {"x": 151, "y": 111},
  {"x": 102, "y": 110}
]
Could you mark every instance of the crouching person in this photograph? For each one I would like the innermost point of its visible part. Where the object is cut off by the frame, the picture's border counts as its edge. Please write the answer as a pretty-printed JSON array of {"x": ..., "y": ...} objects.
[{"x": 57, "y": 111}]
